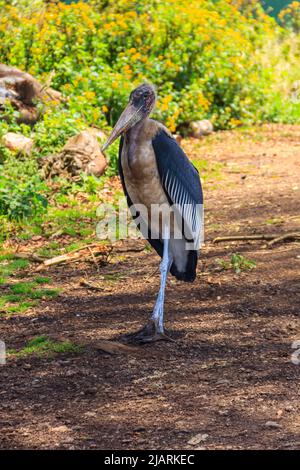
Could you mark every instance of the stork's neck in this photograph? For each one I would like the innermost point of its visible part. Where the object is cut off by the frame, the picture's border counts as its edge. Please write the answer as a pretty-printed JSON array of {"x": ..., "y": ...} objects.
[
  {"x": 135, "y": 130},
  {"x": 132, "y": 139}
]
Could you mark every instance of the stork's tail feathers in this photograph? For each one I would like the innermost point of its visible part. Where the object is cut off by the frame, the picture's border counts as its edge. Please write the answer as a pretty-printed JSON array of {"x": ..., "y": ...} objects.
[{"x": 189, "y": 274}]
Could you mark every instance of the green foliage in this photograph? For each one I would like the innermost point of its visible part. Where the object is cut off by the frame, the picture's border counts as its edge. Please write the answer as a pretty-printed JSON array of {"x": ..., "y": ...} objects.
[
  {"x": 9, "y": 266},
  {"x": 237, "y": 263},
  {"x": 56, "y": 126},
  {"x": 43, "y": 346},
  {"x": 209, "y": 170},
  {"x": 18, "y": 297},
  {"x": 21, "y": 190},
  {"x": 217, "y": 59},
  {"x": 42, "y": 280},
  {"x": 112, "y": 154},
  {"x": 290, "y": 17},
  {"x": 201, "y": 56}
]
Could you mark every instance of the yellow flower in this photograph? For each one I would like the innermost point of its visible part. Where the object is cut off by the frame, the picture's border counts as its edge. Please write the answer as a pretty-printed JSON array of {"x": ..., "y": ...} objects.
[
  {"x": 136, "y": 56},
  {"x": 90, "y": 95},
  {"x": 96, "y": 114}
]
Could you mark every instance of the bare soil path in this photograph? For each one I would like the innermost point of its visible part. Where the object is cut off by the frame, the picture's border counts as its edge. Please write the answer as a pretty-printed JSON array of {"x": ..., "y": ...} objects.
[{"x": 229, "y": 377}]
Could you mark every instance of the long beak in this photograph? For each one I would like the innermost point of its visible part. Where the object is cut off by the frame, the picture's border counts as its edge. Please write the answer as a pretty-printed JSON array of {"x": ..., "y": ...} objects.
[{"x": 130, "y": 116}]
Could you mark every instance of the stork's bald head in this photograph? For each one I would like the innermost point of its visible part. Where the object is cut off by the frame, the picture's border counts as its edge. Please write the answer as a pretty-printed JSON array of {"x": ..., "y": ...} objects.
[
  {"x": 143, "y": 97},
  {"x": 141, "y": 102}
]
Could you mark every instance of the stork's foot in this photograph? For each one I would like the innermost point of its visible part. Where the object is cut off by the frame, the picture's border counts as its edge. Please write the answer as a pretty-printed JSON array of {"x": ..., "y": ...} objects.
[{"x": 148, "y": 334}]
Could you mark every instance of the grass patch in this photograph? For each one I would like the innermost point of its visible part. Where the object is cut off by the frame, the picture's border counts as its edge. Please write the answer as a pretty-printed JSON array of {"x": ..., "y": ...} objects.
[
  {"x": 114, "y": 277},
  {"x": 42, "y": 280},
  {"x": 44, "y": 293},
  {"x": 237, "y": 263},
  {"x": 43, "y": 346},
  {"x": 20, "y": 307},
  {"x": 21, "y": 296},
  {"x": 49, "y": 250},
  {"x": 209, "y": 170},
  {"x": 24, "y": 288},
  {"x": 7, "y": 267},
  {"x": 275, "y": 221}
]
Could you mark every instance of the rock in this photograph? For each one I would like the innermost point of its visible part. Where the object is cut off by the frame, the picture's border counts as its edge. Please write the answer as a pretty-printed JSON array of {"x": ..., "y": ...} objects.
[
  {"x": 201, "y": 128},
  {"x": 98, "y": 133},
  {"x": 223, "y": 382},
  {"x": 97, "y": 166},
  {"x": 140, "y": 429},
  {"x": 61, "y": 428},
  {"x": 17, "y": 142},
  {"x": 197, "y": 439},
  {"x": 223, "y": 412},
  {"x": 90, "y": 414},
  {"x": 178, "y": 138},
  {"x": 81, "y": 153},
  {"x": 289, "y": 408},
  {"x": 273, "y": 424},
  {"x": 90, "y": 391}
]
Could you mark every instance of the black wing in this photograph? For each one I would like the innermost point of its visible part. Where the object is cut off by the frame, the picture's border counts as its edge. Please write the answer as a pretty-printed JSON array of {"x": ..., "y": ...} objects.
[{"x": 181, "y": 183}]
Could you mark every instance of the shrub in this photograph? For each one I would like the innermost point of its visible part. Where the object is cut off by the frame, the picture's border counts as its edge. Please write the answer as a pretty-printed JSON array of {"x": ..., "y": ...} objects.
[
  {"x": 21, "y": 190},
  {"x": 201, "y": 56},
  {"x": 217, "y": 59},
  {"x": 290, "y": 17}
]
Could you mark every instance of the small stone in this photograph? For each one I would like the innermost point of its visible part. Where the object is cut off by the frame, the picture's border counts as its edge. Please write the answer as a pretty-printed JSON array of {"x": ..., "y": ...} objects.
[
  {"x": 178, "y": 138},
  {"x": 223, "y": 412},
  {"x": 17, "y": 142},
  {"x": 273, "y": 424},
  {"x": 201, "y": 128},
  {"x": 60, "y": 429},
  {"x": 223, "y": 382},
  {"x": 90, "y": 391},
  {"x": 140, "y": 429},
  {"x": 289, "y": 408},
  {"x": 90, "y": 414},
  {"x": 197, "y": 439}
]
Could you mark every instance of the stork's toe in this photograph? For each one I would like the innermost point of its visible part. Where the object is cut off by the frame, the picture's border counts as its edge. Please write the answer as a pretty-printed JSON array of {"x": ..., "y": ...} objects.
[{"x": 148, "y": 334}]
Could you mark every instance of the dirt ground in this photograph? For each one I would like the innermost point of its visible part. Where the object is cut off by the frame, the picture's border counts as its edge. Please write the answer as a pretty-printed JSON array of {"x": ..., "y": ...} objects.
[{"x": 228, "y": 379}]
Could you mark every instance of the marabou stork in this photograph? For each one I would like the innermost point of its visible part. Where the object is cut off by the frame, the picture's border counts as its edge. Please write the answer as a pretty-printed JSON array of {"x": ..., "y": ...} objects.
[{"x": 164, "y": 195}]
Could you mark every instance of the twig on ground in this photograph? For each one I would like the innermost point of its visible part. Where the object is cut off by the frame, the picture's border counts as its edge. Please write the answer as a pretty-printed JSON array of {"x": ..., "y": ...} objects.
[
  {"x": 77, "y": 255},
  {"x": 128, "y": 249},
  {"x": 89, "y": 285},
  {"x": 30, "y": 257},
  {"x": 244, "y": 237},
  {"x": 274, "y": 238},
  {"x": 151, "y": 274},
  {"x": 94, "y": 259},
  {"x": 295, "y": 236}
]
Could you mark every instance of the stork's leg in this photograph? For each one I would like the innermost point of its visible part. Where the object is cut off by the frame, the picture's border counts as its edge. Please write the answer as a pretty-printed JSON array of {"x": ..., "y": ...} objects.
[
  {"x": 154, "y": 329},
  {"x": 158, "y": 313}
]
